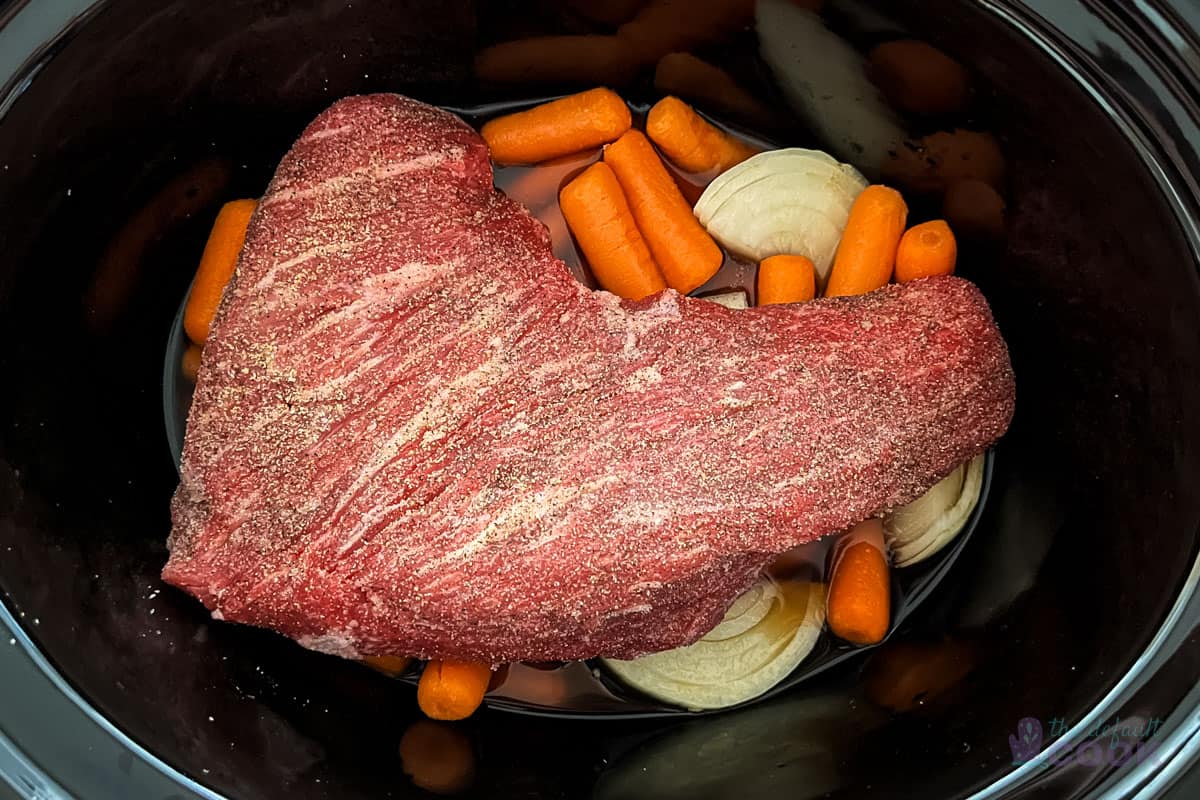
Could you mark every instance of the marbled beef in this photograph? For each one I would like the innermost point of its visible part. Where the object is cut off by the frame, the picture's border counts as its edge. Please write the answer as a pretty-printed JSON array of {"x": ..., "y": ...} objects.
[{"x": 415, "y": 433}]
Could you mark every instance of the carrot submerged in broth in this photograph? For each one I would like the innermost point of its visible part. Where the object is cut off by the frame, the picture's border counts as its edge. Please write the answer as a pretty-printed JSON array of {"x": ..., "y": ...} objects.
[
  {"x": 598, "y": 214},
  {"x": 866, "y": 254},
  {"x": 786, "y": 279},
  {"x": 691, "y": 142},
  {"x": 558, "y": 128},
  {"x": 926, "y": 250},
  {"x": 860, "y": 596},
  {"x": 685, "y": 252}
]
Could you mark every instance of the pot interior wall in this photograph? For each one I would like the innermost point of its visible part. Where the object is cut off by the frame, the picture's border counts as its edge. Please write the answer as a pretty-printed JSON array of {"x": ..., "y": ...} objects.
[{"x": 148, "y": 116}]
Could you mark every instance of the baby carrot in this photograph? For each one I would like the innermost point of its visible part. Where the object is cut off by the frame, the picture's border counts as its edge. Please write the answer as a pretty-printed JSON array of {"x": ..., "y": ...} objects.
[
  {"x": 685, "y": 75},
  {"x": 786, "y": 279},
  {"x": 859, "y": 591},
  {"x": 598, "y": 215},
  {"x": 437, "y": 757},
  {"x": 915, "y": 76},
  {"x": 926, "y": 250},
  {"x": 452, "y": 689},
  {"x": 685, "y": 252},
  {"x": 867, "y": 252},
  {"x": 568, "y": 125},
  {"x": 588, "y": 59},
  {"x": 690, "y": 141},
  {"x": 190, "y": 363},
  {"x": 216, "y": 267}
]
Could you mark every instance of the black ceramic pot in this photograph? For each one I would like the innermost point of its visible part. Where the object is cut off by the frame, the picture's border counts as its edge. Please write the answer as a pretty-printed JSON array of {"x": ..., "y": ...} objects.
[{"x": 124, "y": 125}]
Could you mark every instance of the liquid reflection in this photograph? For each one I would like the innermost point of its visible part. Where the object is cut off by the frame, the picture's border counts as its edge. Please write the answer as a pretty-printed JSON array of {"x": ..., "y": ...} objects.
[
  {"x": 900, "y": 109},
  {"x": 437, "y": 757},
  {"x": 791, "y": 747}
]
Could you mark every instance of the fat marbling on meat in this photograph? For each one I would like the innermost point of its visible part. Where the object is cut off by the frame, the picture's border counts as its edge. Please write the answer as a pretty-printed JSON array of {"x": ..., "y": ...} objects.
[{"x": 415, "y": 433}]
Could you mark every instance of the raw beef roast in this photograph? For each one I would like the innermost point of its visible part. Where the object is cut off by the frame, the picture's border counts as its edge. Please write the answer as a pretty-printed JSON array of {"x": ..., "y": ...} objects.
[{"x": 415, "y": 433}]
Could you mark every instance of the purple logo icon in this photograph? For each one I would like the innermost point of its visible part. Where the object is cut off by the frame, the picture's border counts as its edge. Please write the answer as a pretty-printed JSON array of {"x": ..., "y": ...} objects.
[
  {"x": 1108, "y": 743},
  {"x": 1027, "y": 742}
]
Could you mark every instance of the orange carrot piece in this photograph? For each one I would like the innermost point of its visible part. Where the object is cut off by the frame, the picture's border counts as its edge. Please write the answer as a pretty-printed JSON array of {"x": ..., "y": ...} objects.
[
  {"x": 667, "y": 26},
  {"x": 690, "y": 141},
  {"x": 598, "y": 214},
  {"x": 687, "y": 76},
  {"x": 974, "y": 209},
  {"x": 587, "y": 59},
  {"x": 452, "y": 689},
  {"x": 926, "y": 250},
  {"x": 392, "y": 666},
  {"x": 558, "y": 128},
  {"x": 916, "y": 76},
  {"x": 216, "y": 267},
  {"x": 786, "y": 279},
  {"x": 189, "y": 365},
  {"x": 867, "y": 253},
  {"x": 437, "y": 757},
  {"x": 685, "y": 252},
  {"x": 859, "y": 591}
]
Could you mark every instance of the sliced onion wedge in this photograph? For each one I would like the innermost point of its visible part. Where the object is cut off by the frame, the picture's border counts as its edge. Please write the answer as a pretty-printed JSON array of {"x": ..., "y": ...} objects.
[
  {"x": 765, "y": 635},
  {"x": 926, "y": 525},
  {"x": 782, "y": 202}
]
